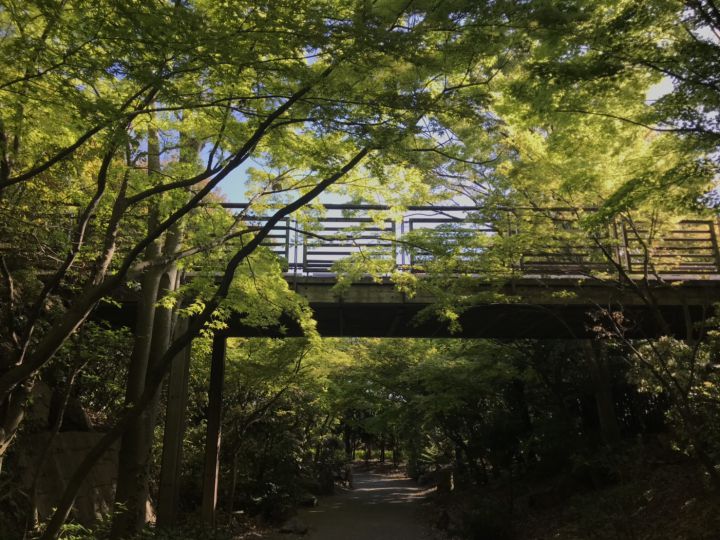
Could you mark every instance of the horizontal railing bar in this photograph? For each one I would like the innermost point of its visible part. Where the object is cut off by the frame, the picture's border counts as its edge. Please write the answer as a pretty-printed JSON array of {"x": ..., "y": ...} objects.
[
  {"x": 426, "y": 208},
  {"x": 686, "y": 247}
]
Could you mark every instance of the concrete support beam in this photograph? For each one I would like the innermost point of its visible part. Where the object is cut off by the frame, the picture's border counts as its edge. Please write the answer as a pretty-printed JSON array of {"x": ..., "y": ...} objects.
[
  {"x": 212, "y": 441},
  {"x": 535, "y": 308}
]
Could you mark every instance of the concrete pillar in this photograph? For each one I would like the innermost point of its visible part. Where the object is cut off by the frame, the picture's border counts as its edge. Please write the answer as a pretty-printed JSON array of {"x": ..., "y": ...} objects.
[
  {"x": 174, "y": 434},
  {"x": 212, "y": 440}
]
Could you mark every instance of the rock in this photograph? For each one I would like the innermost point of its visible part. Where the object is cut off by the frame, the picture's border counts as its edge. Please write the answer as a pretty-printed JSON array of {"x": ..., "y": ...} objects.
[{"x": 294, "y": 526}]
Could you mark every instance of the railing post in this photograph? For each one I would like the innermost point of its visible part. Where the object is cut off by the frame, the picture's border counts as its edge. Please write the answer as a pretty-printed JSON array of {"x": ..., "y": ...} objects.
[
  {"x": 626, "y": 249},
  {"x": 410, "y": 258},
  {"x": 394, "y": 244},
  {"x": 620, "y": 248},
  {"x": 402, "y": 247},
  {"x": 304, "y": 257},
  {"x": 287, "y": 239},
  {"x": 295, "y": 252},
  {"x": 714, "y": 225}
]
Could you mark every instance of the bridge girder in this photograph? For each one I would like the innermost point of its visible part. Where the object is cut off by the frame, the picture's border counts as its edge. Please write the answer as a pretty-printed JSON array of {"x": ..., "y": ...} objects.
[
  {"x": 536, "y": 309},
  {"x": 560, "y": 308}
]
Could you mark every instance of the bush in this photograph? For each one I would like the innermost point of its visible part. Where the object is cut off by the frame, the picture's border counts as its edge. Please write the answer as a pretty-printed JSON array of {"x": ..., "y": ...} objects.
[{"x": 488, "y": 522}]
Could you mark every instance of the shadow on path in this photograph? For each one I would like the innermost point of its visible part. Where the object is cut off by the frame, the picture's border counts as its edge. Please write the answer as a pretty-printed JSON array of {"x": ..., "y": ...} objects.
[{"x": 382, "y": 506}]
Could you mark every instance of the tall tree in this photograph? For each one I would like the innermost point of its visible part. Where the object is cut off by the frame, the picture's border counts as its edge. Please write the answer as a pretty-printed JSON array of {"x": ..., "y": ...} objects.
[{"x": 314, "y": 92}]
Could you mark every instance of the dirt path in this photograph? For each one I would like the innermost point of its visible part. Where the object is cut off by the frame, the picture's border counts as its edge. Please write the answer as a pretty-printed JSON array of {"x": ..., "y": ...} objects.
[{"x": 380, "y": 507}]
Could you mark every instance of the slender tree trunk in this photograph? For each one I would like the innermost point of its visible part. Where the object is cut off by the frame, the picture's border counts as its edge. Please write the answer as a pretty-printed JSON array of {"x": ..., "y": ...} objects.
[
  {"x": 602, "y": 386},
  {"x": 460, "y": 464},
  {"x": 162, "y": 333},
  {"x": 233, "y": 482},
  {"x": 173, "y": 435},
  {"x": 130, "y": 512},
  {"x": 348, "y": 444},
  {"x": 483, "y": 465},
  {"x": 12, "y": 412}
]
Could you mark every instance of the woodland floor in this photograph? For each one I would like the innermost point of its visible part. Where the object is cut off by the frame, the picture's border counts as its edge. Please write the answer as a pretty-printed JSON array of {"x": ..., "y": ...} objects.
[
  {"x": 382, "y": 505},
  {"x": 658, "y": 498}
]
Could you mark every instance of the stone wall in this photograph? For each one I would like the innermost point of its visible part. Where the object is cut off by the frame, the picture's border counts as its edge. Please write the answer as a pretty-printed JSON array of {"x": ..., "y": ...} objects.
[{"x": 67, "y": 450}]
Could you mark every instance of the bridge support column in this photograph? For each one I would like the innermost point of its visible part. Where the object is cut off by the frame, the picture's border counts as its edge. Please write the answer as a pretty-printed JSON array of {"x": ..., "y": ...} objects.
[
  {"x": 174, "y": 434},
  {"x": 212, "y": 440}
]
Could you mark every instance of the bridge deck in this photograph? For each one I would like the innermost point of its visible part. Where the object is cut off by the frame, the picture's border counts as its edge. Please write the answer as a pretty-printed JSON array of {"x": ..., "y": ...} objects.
[
  {"x": 565, "y": 275},
  {"x": 536, "y": 308}
]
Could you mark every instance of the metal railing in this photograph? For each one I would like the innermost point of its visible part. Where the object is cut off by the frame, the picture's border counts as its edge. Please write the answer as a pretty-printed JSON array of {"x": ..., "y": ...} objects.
[{"x": 560, "y": 246}]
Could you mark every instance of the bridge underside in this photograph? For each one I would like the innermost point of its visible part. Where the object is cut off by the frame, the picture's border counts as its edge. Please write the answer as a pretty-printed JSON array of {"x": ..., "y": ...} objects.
[
  {"x": 497, "y": 321},
  {"x": 539, "y": 309}
]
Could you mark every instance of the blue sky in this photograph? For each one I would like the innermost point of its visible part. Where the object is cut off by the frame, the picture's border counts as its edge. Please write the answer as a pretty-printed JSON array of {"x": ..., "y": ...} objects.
[{"x": 233, "y": 187}]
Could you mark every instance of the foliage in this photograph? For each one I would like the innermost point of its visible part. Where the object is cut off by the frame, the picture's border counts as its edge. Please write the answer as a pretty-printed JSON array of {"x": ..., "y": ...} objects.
[{"x": 120, "y": 121}]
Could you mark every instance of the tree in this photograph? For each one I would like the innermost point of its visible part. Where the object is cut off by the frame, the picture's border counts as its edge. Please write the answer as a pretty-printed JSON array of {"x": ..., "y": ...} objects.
[{"x": 344, "y": 83}]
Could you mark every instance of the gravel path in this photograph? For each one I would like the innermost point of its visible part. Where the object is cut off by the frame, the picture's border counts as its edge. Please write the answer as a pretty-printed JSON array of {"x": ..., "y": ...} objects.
[{"x": 380, "y": 507}]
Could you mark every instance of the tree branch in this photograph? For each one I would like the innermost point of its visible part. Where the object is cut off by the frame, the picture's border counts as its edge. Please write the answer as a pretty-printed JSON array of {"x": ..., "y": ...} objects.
[{"x": 156, "y": 377}]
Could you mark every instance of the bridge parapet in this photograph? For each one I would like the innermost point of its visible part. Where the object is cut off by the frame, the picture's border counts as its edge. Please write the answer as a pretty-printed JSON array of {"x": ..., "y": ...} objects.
[{"x": 556, "y": 244}]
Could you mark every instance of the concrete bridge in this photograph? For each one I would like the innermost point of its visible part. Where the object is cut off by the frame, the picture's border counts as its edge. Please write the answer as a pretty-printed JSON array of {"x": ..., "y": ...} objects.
[
  {"x": 662, "y": 284},
  {"x": 559, "y": 282},
  {"x": 562, "y": 277}
]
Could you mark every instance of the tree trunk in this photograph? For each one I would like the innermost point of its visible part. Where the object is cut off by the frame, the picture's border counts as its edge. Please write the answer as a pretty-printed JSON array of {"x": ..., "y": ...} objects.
[
  {"x": 396, "y": 452},
  {"x": 348, "y": 444},
  {"x": 11, "y": 416},
  {"x": 136, "y": 489},
  {"x": 602, "y": 387},
  {"x": 130, "y": 511},
  {"x": 173, "y": 435},
  {"x": 233, "y": 484}
]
